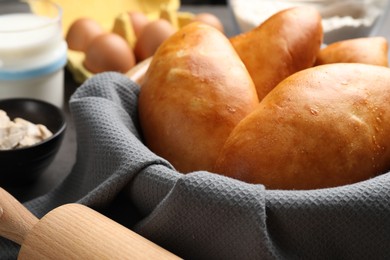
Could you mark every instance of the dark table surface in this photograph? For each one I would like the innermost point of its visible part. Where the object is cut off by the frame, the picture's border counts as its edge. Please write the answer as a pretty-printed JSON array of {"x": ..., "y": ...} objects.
[{"x": 66, "y": 157}]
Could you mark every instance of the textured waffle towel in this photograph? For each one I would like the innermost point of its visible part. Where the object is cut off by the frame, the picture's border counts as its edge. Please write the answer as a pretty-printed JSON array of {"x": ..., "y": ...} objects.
[{"x": 203, "y": 215}]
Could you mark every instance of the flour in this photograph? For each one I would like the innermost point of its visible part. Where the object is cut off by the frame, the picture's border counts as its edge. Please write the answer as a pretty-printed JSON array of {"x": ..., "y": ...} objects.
[{"x": 341, "y": 19}]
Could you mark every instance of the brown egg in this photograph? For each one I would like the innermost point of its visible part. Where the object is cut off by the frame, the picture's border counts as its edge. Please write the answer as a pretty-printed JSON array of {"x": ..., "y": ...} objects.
[
  {"x": 209, "y": 19},
  {"x": 151, "y": 37},
  {"x": 109, "y": 52},
  {"x": 138, "y": 21},
  {"x": 81, "y": 33}
]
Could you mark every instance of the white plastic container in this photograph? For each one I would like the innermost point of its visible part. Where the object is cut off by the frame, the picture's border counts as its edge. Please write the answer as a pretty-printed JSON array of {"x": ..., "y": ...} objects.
[{"x": 33, "y": 52}]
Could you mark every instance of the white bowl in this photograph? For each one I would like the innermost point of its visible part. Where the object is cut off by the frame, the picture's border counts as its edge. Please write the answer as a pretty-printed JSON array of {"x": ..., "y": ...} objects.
[{"x": 341, "y": 19}]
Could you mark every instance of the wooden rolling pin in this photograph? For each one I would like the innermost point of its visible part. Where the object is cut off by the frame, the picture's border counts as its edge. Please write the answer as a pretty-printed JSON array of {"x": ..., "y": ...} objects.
[{"x": 72, "y": 231}]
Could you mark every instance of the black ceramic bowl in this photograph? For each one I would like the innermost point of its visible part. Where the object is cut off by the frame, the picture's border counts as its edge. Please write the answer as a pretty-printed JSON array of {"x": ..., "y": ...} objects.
[{"x": 23, "y": 165}]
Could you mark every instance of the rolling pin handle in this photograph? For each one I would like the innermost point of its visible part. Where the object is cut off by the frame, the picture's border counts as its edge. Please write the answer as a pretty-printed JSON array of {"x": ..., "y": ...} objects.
[{"x": 15, "y": 219}]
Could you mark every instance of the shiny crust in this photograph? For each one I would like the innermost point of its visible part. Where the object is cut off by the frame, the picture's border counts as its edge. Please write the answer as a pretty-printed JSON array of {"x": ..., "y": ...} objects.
[
  {"x": 285, "y": 43},
  {"x": 322, "y": 127},
  {"x": 194, "y": 93},
  {"x": 369, "y": 50}
]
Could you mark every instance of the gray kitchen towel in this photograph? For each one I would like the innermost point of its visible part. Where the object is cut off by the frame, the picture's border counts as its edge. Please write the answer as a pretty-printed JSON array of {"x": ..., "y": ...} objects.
[{"x": 202, "y": 215}]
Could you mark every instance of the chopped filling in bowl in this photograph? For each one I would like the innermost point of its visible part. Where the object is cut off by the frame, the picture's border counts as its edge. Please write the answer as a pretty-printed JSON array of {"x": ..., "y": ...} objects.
[{"x": 19, "y": 132}]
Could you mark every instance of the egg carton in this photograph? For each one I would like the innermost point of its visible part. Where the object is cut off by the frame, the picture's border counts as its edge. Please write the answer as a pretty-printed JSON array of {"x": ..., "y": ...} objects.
[{"x": 114, "y": 17}]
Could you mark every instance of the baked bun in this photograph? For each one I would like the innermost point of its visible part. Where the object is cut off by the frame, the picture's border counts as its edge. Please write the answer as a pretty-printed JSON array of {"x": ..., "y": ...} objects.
[
  {"x": 368, "y": 50},
  {"x": 285, "y": 43},
  {"x": 322, "y": 127},
  {"x": 194, "y": 93}
]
